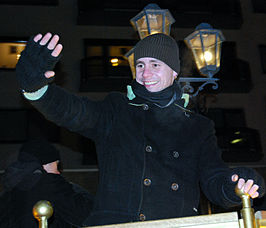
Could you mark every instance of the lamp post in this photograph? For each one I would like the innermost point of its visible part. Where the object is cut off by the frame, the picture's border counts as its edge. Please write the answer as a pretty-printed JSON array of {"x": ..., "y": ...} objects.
[{"x": 152, "y": 19}]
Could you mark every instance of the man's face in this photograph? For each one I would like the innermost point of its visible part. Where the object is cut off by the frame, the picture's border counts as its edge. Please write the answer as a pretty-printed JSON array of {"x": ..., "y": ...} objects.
[
  {"x": 51, "y": 167},
  {"x": 154, "y": 74}
]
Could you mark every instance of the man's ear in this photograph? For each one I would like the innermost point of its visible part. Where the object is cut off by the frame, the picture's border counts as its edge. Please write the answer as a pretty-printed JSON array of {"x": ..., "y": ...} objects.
[{"x": 175, "y": 74}]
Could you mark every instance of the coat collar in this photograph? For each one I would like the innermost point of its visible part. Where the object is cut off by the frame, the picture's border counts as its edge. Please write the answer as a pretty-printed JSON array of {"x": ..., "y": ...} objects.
[{"x": 179, "y": 98}]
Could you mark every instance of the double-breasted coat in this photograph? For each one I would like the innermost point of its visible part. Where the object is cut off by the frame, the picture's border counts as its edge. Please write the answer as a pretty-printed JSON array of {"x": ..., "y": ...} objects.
[{"x": 152, "y": 161}]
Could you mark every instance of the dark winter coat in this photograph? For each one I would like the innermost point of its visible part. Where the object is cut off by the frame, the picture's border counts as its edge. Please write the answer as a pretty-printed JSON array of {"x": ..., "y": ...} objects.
[
  {"x": 27, "y": 183},
  {"x": 152, "y": 160}
]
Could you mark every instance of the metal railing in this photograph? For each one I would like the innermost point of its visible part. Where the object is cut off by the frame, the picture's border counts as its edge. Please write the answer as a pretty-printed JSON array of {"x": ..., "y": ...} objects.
[{"x": 43, "y": 210}]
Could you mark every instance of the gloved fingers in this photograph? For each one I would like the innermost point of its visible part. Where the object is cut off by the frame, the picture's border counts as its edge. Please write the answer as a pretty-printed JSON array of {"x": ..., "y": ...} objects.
[
  {"x": 248, "y": 187},
  {"x": 56, "y": 52},
  {"x": 234, "y": 178},
  {"x": 240, "y": 183},
  {"x": 35, "y": 66},
  {"x": 53, "y": 42},
  {"x": 253, "y": 192},
  {"x": 50, "y": 51},
  {"x": 49, "y": 74},
  {"x": 45, "y": 39},
  {"x": 245, "y": 185},
  {"x": 37, "y": 37},
  {"x": 32, "y": 46}
]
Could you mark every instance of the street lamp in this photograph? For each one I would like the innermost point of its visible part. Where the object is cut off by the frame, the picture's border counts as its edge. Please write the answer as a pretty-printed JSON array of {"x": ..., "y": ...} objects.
[
  {"x": 152, "y": 19},
  {"x": 205, "y": 44}
]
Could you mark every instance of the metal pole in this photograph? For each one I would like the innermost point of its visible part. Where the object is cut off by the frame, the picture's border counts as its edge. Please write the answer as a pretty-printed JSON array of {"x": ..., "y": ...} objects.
[{"x": 42, "y": 211}]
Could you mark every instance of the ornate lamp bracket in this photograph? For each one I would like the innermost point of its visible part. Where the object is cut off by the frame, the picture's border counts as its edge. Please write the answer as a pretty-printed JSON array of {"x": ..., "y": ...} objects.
[{"x": 188, "y": 88}]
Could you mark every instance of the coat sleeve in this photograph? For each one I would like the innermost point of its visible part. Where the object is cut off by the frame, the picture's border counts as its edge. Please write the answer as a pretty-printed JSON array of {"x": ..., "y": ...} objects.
[
  {"x": 72, "y": 202},
  {"x": 214, "y": 173},
  {"x": 76, "y": 113},
  {"x": 216, "y": 176}
]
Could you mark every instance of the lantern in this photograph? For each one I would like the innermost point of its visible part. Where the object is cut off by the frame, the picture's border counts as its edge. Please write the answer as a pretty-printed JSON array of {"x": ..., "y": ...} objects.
[
  {"x": 205, "y": 44},
  {"x": 152, "y": 19}
]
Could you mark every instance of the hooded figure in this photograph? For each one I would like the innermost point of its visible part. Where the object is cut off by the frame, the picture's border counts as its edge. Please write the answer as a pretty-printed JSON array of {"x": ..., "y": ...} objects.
[{"x": 28, "y": 180}]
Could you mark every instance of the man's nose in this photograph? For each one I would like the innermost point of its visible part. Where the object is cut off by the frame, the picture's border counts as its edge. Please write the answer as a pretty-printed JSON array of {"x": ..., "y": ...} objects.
[{"x": 147, "y": 72}]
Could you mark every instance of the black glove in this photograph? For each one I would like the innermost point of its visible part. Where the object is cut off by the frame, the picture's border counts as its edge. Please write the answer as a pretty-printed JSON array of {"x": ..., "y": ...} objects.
[
  {"x": 245, "y": 173},
  {"x": 35, "y": 60}
]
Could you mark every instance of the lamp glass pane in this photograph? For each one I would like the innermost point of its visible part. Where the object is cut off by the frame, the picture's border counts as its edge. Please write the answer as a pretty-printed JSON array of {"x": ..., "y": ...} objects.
[
  {"x": 198, "y": 56},
  {"x": 218, "y": 51},
  {"x": 167, "y": 28},
  {"x": 142, "y": 27},
  {"x": 155, "y": 21}
]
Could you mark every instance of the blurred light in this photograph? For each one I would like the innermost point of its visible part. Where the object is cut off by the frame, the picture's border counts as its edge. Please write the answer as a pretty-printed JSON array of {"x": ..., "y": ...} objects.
[
  {"x": 235, "y": 141},
  {"x": 114, "y": 60},
  {"x": 207, "y": 56}
]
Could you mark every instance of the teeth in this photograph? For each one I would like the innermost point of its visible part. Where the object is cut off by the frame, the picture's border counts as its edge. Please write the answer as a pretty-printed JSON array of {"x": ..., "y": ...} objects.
[{"x": 150, "y": 83}]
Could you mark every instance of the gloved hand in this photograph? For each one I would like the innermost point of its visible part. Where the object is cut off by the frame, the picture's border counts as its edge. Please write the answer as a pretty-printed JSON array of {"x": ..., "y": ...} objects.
[
  {"x": 246, "y": 174},
  {"x": 35, "y": 60}
]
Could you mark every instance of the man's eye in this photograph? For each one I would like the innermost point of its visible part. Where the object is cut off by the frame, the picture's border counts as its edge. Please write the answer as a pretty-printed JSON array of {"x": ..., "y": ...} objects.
[
  {"x": 156, "y": 65},
  {"x": 139, "y": 65}
]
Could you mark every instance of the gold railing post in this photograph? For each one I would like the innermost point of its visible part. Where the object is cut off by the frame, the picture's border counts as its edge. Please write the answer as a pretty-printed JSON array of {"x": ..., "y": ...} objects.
[
  {"x": 42, "y": 211},
  {"x": 247, "y": 212}
]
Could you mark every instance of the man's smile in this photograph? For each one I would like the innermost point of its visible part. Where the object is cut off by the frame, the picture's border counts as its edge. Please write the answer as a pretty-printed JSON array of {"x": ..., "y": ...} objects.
[{"x": 150, "y": 83}]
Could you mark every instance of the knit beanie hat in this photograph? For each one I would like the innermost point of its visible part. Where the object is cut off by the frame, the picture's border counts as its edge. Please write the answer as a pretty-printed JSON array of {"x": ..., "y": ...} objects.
[
  {"x": 161, "y": 47},
  {"x": 40, "y": 150}
]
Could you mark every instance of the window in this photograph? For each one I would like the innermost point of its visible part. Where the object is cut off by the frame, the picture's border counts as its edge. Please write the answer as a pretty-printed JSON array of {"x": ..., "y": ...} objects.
[
  {"x": 259, "y": 6},
  {"x": 10, "y": 49},
  {"x": 105, "y": 66},
  {"x": 237, "y": 142}
]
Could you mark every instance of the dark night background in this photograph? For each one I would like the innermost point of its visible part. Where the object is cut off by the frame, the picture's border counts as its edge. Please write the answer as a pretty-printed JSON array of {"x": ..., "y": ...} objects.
[{"x": 238, "y": 107}]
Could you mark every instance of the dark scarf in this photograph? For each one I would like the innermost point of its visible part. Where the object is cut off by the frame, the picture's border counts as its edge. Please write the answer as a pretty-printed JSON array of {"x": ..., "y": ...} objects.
[{"x": 162, "y": 98}]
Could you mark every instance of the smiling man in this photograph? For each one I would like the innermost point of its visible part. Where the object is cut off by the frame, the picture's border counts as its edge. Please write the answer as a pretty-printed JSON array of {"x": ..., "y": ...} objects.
[
  {"x": 157, "y": 62},
  {"x": 154, "y": 154},
  {"x": 154, "y": 74}
]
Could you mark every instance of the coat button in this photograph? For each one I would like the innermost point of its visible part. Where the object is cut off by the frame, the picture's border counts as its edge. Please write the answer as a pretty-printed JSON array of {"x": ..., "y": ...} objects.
[
  {"x": 148, "y": 148},
  {"x": 147, "y": 182},
  {"x": 174, "y": 186},
  {"x": 175, "y": 154},
  {"x": 145, "y": 107},
  {"x": 142, "y": 217}
]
